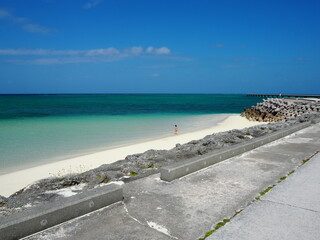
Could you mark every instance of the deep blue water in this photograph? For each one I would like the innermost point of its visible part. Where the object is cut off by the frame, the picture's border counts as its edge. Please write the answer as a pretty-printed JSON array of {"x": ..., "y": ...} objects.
[
  {"x": 26, "y": 106},
  {"x": 37, "y": 129}
]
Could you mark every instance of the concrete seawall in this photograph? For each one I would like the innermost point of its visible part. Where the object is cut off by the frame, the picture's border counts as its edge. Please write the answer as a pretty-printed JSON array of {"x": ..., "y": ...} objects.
[
  {"x": 191, "y": 207},
  {"x": 178, "y": 170},
  {"x": 44, "y": 216}
]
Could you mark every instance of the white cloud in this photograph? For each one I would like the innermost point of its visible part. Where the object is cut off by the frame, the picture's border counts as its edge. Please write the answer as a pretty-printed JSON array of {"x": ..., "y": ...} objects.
[
  {"x": 57, "y": 60},
  {"x": 155, "y": 75},
  {"x": 13, "y": 52},
  {"x": 24, "y": 23},
  {"x": 102, "y": 52},
  {"x": 92, "y": 4},
  {"x": 37, "y": 52},
  {"x": 219, "y": 45},
  {"x": 51, "y": 56},
  {"x": 134, "y": 51},
  {"x": 150, "y": 49},
  {"x": 162, "y": 51},
  {"x": 158, "y": 51},
  {"x": 4, "y": 14},
  {"x": 29, "y": 27}
]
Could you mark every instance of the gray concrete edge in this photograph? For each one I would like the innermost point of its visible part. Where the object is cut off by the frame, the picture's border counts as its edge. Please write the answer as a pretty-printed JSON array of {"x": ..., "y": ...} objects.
[
  {"x": 44, "y": 216},
  {"x": 180, "y": 169}
]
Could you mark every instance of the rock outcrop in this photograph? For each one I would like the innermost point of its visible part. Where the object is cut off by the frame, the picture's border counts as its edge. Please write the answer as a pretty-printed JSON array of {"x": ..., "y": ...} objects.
[
  {"x": 3, "y": 200},
  {"x": 279, "y": 109}
]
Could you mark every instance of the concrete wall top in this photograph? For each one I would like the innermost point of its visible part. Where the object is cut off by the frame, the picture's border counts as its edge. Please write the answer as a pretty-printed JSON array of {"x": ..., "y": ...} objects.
[
  {"x": 180, "y": 169},
  {"x": 47, "y": 215}
]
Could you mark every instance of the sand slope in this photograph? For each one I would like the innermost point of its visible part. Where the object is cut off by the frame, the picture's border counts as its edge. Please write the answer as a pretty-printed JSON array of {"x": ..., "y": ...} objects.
[{"x": 15, "y": 181}]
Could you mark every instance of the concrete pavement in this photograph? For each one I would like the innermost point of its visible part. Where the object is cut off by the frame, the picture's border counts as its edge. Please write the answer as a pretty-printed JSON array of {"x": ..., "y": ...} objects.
[
  {"x": 291, "y": 210},
  {"x": 189, "y": 207}
]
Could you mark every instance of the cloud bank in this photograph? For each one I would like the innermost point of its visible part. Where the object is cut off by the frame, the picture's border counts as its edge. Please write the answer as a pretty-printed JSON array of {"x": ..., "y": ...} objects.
[{"x": 50, "y": 56}]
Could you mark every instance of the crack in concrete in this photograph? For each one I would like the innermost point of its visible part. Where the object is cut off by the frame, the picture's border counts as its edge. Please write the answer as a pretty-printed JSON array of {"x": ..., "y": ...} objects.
[
  {"x": 146, "y": 225},
  {"x": 127, "y": 211},
  {"x": 285, "y": 204}
]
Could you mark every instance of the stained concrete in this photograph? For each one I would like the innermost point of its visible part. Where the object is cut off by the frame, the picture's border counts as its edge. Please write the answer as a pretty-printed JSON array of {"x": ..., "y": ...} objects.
[
  {"x": 302, "y": 189},
  {"x": 112, "y": 222},
  {"x": 180, "y": 169},
  {"x": 47, "y": 215},
  {"x": 291, "y": 210},
  {"x": 266, "y": 221},
  {"x": 188, "y": 207}
]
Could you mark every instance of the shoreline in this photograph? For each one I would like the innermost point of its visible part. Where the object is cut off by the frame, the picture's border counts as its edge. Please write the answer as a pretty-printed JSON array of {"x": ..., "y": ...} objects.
[
  {"x": 30, "y": 151},
  {"x": 14, "y": 181}
]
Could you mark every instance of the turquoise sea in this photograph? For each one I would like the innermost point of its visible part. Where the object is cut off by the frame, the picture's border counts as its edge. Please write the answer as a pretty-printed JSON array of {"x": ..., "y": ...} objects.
[{"x": 38, "y": 129}]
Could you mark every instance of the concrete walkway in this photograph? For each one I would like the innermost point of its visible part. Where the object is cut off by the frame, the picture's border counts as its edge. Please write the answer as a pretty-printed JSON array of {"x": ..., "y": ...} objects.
[
  {"x": 189, "y": 207},
  {"x": 291, "y": 210}
]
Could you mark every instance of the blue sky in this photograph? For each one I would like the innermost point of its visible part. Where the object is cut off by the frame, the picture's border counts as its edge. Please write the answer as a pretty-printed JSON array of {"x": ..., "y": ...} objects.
[{"x": 160, "y": 46}]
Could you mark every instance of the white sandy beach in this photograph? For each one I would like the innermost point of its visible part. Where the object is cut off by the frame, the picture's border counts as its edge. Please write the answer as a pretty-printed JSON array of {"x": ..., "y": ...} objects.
[{"x": 15, "y": 181}]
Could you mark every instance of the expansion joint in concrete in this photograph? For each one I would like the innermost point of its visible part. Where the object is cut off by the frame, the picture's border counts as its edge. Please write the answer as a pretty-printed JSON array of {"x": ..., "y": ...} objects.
[{"x": 289, "y": 205}]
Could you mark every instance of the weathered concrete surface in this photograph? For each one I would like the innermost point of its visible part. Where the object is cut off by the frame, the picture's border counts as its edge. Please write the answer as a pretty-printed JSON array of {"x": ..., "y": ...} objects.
[
  {"x": 291, "y": 210},
  {"x": 180, "y": 169},
  {"x": 188, "y": 207},
  {"x": 112, "y": 222},
  {"x": 47, "y": 215}
]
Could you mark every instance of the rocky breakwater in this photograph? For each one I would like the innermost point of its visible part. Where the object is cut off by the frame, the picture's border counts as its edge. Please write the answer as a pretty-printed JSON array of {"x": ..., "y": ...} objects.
[{"x": 279, "y": 109}]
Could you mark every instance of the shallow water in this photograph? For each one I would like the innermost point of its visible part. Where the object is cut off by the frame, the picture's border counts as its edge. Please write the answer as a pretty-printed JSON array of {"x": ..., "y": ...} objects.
[
  {"x": 40, "y": 129},
  {"x": 35, "y": 141}
]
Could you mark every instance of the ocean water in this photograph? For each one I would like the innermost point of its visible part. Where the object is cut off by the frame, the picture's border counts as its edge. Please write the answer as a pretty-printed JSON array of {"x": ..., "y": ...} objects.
[{"x": 38, "y": 129}]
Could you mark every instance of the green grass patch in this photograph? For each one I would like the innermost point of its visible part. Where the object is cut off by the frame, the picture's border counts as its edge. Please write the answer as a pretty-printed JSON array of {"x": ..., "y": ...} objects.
[
  {"x": 306, "y": 160},
  {"x": 266, "y": 190},
  {"x": 291, "y": 172},
  {"x": 207, "y": 234},
  {"x": 98, "y": 176},
  {"x": 219, "y": 225},
  {"x": 106, "y": 180},
  {"x": 151, "y": 166},
  {"x": 281, "y": 179},
  {"x": 132, "y": 174}
]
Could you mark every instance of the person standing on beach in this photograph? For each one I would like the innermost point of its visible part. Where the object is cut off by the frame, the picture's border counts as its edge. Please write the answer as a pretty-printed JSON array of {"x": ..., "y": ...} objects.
[{"x": 176, "y": 129}]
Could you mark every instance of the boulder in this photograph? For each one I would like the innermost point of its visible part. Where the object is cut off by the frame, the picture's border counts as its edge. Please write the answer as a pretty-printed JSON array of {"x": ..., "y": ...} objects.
[{"x": 3, "y": 200}]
